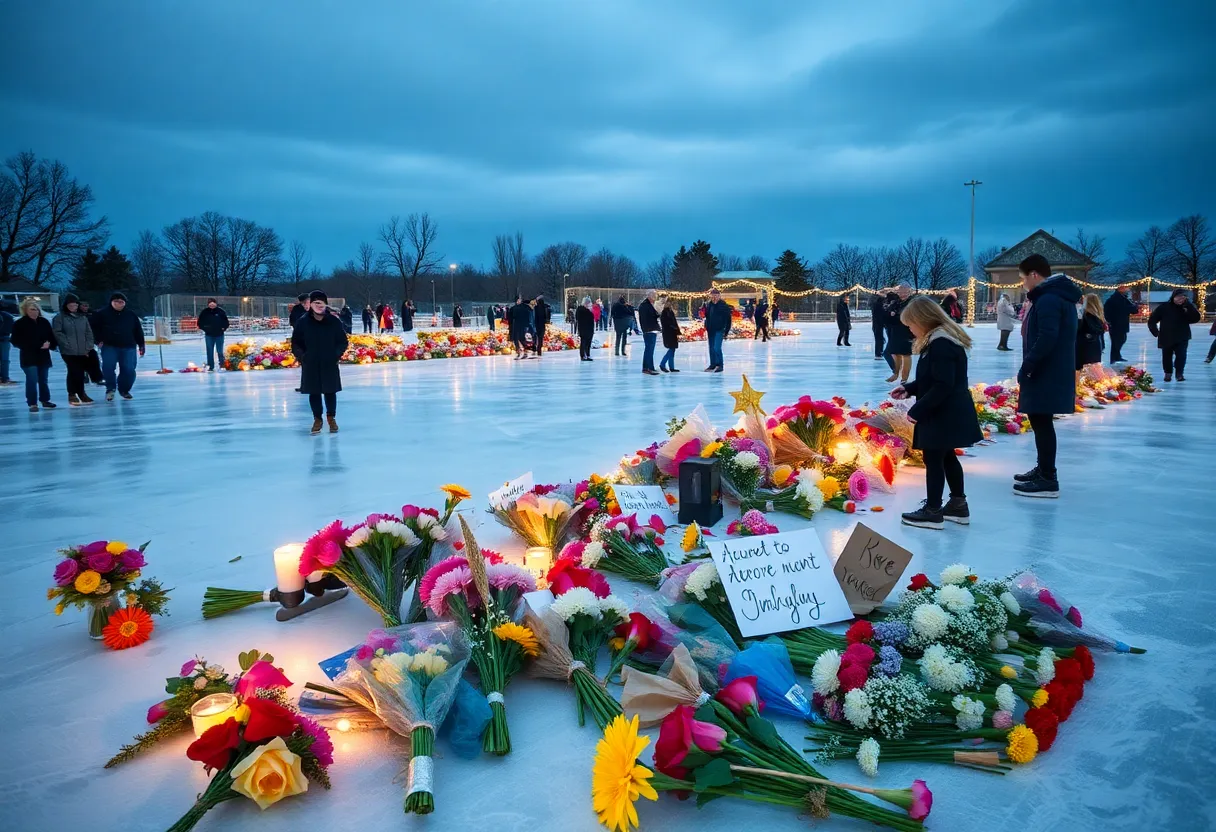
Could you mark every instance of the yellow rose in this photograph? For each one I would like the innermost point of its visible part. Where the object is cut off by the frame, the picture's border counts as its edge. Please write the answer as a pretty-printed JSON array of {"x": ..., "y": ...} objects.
[
  {"x": 269, "y": 774},
  {"x": 87, "y": 581},
  {"x": 781, "y": 475},
  {"x": 116, "y": 547}
]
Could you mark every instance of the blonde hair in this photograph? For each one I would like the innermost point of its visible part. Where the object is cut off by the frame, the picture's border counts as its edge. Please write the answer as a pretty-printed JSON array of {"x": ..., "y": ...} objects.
[
  {"x": 27, "y": 303},
  {"x": 664, "y": 301},
  {"x": 929, "y": 316},
  {"x": 1093, "y": 306}
]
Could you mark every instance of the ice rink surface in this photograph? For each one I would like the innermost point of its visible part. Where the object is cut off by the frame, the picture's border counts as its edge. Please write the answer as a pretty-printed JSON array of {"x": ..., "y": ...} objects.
[{"x": 209, "y": 467}]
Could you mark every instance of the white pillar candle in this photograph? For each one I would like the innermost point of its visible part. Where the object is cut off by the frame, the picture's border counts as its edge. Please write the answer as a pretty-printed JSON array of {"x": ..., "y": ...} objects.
[
  {"x": 213, "y": 710},
  {"x": 287, "y": 567},
  {"x": 845, "y": 452},
  {"x": 538, "y": 560}
]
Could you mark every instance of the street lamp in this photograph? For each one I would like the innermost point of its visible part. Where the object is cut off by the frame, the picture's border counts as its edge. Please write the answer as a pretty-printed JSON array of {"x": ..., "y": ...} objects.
[
  {"x": 565, "y": 299},
  {"x": 452, "y": 272},
  {"x": 971, "y": 261}
]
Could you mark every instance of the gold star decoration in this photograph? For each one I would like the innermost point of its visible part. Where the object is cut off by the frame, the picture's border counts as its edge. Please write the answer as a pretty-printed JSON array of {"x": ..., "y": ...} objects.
[{"x": 747, "y": 400}]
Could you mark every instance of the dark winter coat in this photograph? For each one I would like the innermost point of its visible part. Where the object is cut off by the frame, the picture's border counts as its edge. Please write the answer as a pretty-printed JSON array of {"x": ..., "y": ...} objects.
[
  {"x": 648, "y": 316},
  {"x": 717, "y": 317},
  {"x": 456, "y": 316},
  {"x": 541, "y": 315},
  {"x": 298, "y": 311},
  {"x": 29, "y": 334},
  {"x": 1118, "y": 310},
  {"x": 213, "y": 322},
  {"x": 1048, "y": 383},
  {"x": 348, "y": 319},
  {"x": 112, "y": 328},
  {"x": 519, "y": 317},
  {"x": 368, "y": 318},
  {"x": 620, "y": 310},
  {"x": 670, "y": 327},
  {"x": 72, "y": 333},
  {"x": 761, "y": 313},
  {"x": 318, "y": 345},
  {"x": 944, "y": 411},
  {"x": 899, "y": 337},
  {"x": 878, "y": 319},
  {"x": 1170, "y": 323},
  {"x": 1089, "y": 340},
  {"x": 844, "y": 319},
  {"x": 952, "y": 308},
  {"x": 6, "y": 326},
  {"x": 584, "y": 320}
]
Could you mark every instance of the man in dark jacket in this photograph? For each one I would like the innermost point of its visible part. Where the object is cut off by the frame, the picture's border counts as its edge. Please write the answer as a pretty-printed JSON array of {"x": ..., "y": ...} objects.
[
  {"x": 1118, "y": 311},
  {"x": 648, "y": 317},
  {"x": 622, "y": 323},
  {"x": 348, "y": 319},
  {"x": 213, "y": 322},
  {"x": 1048, "y": 383},
  {"x": 517, "y": 326},
  {"x": 318, "y": 342},
  {"x": 298, "y": 311},
  {"x": 584, "y": 322},
  {"x": 541, "y": 315},
  {"x": 761, "y": 317},
  {"x": 717, "y": 325},
  {"x": 120, "y": 335},
  {"x": 1170, "y": 324},
  {"x": 368, "y": 321},
  {"x": 877, "y": 325},
  {"x": 6, "y": 342}
]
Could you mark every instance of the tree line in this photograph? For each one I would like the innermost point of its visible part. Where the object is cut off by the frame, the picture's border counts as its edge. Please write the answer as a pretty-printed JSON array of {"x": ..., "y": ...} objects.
[{"x": 50, "y": 235}]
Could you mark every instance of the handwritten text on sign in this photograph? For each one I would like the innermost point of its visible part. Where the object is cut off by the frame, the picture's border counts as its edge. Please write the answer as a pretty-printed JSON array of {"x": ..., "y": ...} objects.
[
  {"x": 779, "y": 582},
  {"x": 511, "y": 492},
  {"x": 644, "y": 500},
  {"x": 869, "y": 568}
]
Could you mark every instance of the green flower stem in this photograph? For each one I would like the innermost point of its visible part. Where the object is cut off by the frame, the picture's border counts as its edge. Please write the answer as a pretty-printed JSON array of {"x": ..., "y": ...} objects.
[
  {"x": 217, "y": 791},
  {"x": 422, "y": 744}
]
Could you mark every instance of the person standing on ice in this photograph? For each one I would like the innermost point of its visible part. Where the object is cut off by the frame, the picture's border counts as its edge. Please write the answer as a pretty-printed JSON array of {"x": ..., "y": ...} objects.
[
  {"x": 1170, "y": 324},
  {"x": 648, "y": 316},
  {"x": 213, "y": 323},
  {"x": 318, "y": 342},
  {"x": 844, "y": 321},
  {"x": 1046, "y": 378},
  {"x": 368, "y": 319},
  {"x": 75, "y": 339},
  {"x": 584, "y": 321},
  {"x": 298, "y": 311},
  {"x": 517, "y": 326},
  {"x": 541, "y": 315},
  {"x": 348, "y": 319},
  {"x": 120, "y": 334},
  {"x": 1006, "y": 317},
  {"x": 760, "y": 313},
  {"x": 717, "y": 326},
  {"x": 1118, "y": 311}
]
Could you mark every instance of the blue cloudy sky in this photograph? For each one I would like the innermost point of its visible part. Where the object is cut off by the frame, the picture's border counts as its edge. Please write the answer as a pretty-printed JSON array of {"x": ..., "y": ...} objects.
[{"x": 636, "y": 125}]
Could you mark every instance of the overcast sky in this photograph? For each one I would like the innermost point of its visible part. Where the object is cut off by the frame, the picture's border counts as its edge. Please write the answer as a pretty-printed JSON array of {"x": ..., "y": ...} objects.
[{"x": 623, "y": 123}]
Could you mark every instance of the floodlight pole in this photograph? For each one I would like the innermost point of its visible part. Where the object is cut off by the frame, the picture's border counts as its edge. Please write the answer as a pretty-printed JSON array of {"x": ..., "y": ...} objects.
[{"x": 973, "y": 184}]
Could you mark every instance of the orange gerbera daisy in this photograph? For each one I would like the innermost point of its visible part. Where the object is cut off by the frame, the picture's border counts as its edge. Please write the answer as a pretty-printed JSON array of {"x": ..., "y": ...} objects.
[{"x": 128, "y": 627}]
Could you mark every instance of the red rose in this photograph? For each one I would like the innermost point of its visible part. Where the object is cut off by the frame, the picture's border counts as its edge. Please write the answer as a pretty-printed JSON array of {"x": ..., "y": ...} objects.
[
  {"x": 267, "y": 720},
  {"x": 741, "y": 696},
  {"x": 859, "y": 632},
  {"x": 1085, "y": 659},
  {"x": 640, "y": 630},
  {"x": 214, "y": 748},
  {"x": 1045, "y": 724},
  {"x": 852, "y": 675},
  {"x": 919, "y": 581},
  {"x": 681, "y": 733}
]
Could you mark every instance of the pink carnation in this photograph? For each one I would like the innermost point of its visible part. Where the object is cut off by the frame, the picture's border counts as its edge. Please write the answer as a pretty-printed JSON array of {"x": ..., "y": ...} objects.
[
  {"x": 1049, "y": 600},
  {"x": 66, "y": 571},
  {"x": 427, "y": 585},
  {"x": 324, "y": 548},
  {"x": 859, "y": 486},
  {"x": 504, "y": 575},
  {"x": 1074, "y": 615},
  {"x": 1012, "y": 427},
  {"x": 456, "y": 580}
]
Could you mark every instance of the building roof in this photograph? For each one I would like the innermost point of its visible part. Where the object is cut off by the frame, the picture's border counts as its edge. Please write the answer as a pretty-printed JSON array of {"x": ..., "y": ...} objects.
[
  {"x": 20, "y": 284},
  {"x": 754, "y": 274},
  {"x": 1058, "y": 253}
]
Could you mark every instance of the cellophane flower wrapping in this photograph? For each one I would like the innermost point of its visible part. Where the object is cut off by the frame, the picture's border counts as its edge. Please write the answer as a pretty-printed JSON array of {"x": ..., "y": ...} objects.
[
  {"x": 892, "y": 418},
  {"x": 697, "y": 428},
  {"x": 371, "y": 558},
  {"x": 769, "y": 662},
  {"x": 1054, "y": 619},
  {"x": 708, "y": 644},
  {"x": 436, "y": 532},
  {"x": 542, "y": 519},
  {"x": 408, "y": 677}
]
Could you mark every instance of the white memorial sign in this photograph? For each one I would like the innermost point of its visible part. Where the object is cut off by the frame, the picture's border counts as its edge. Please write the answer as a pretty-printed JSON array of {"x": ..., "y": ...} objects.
[
  {"x": 644, "y": 500},
  {"x": 512, "y": 491}
]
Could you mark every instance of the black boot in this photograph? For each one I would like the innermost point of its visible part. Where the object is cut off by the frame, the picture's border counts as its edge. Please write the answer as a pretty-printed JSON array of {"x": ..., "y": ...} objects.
[
  {"x": 924, "y": 517},
  {"x": 956, "y": 511},
  {"x": 1044, "y": 485},
  {"x": 1032, "y": 474}
]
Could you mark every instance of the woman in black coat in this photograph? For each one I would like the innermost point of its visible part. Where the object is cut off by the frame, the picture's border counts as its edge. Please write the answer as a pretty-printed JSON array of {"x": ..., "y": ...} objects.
[
  {"x": 34, "y": 339},
  {"x": 584, "y": 323},
  {"x": 318, "y": 342},
  {"x": 670, "y": 328},
  {"x": 899, "y": 337},
  {"x": 944, "y": 413},
  {"x": 1090, "y": 329},
  {"x": 844, "y": 321},
  {"x": 1170, "y": 324}
]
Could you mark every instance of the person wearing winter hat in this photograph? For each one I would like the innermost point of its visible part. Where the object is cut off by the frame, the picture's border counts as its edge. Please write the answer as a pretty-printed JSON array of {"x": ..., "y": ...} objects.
[
  {"x": 318, "y": 342},
  {"x": 213, "y": 322},
  {"x": 119, "y": 333},
  {"x": 1170, "y": 324},
  {"x": 75, "y": 338}
]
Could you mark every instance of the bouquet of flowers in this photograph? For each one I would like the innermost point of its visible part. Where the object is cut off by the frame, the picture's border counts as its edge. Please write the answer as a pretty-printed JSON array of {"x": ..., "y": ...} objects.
[
  {"x": 751, "y": 524},
  {"x": 571, "y": 628},
  {"x": 892, "y": 418},
  {"x": 599, "y": 502},
  {"x": 266, "y": 751},
  {"x": 542, "y": 517},
  {"x": 431, "y": 528},
  {"x": 686, "y": 438},
  {"x": 408, "y": 677},
  {"x": 798, "y": 494},
  {"x": 104, "y": 576},
  {"x": 195, "y": 680},
  {"x": 804, "y": 432},
  {"x": 1141, "y": 379},
  {"x": 372, "y": 559},
  {"x": 641, "y": 468},
  {"x": 480, "y": 593},
  {"x": 622, "y": 545}
]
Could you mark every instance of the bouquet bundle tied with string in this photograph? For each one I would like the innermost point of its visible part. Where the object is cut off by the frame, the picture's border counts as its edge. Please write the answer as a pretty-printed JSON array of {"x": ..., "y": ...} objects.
[
  {"x": 481, "y": 593},
  {"x": 408, "y": 676},
  {"x": 803, "y": 432},
  {"x": 544, "y": 516},
  {"x": 557, "y": 661}
]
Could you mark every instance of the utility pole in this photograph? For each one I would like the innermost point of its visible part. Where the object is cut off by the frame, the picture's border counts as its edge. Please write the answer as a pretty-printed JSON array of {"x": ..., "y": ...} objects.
[{"x": 971, "y": 257}]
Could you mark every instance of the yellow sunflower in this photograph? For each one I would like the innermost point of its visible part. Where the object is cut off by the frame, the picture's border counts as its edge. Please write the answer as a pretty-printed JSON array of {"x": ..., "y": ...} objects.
[
  {"x": 456, "y": 492},
  {"x": 1023, "y": 745},
  {"x": 87, "y": 581},
  {"x": 617, "y": 780},
  {"x": 525, "y": 638}
]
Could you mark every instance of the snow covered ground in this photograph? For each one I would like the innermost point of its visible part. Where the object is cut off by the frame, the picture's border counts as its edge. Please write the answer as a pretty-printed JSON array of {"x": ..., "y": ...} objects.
[{"x": 209, "y": 467}]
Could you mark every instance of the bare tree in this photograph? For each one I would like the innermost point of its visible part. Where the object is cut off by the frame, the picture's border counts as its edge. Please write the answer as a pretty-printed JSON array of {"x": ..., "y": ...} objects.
[
  {"x": 841, "y": 267},
  {"x": 945, "y": 265},
  {"x": 298, "y": 262},
  {"x": 214, "y": 253},
  {"x": 614, "y": 271},
  {"x": 757, "y": 263},
  {"x": 658, "y": 272},
  {"x": 559, "y": 260},
  {"x": 912, "y": 261},
  {"x": 1092, "y": 246},
  {"x": 150, "y": 266},
  {"x": 45, "y": 218},
  {"x": 982, "y": 258},
  {"x": 1191, "y": 248},
  {"x": 1147, "y": 254},
  {"x": 730, "y": 263},
  {"x": 410, "y": 245},
  {"x": 509, "y": 262}
]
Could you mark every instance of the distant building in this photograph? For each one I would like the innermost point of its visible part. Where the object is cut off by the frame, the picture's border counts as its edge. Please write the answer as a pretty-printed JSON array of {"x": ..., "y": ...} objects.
[
  {"x": 743, "y": 295},
  {"x": 752, "y": 274},
  {"x": 18, "y": 289},
  {"x": 1062, "y": 258}
]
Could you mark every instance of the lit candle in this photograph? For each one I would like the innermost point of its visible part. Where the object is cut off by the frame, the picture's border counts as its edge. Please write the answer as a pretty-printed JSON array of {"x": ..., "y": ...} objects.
[
  {"x": 213, "y": 710},
  {"x": 287, "y": 567},
  {"x": 845, "y": 452},
  {"x": 538, "y": 560},
  {"x": 343, "y": 725}
]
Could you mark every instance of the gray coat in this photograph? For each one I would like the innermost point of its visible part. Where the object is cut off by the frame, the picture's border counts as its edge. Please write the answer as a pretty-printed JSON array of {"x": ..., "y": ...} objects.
[
  {"x": 1006, "y": 317},
  {"x": 73, "y": 333}
]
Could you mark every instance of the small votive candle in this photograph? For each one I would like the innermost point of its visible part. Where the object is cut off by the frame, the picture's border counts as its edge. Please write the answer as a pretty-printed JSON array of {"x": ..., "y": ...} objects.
[
  {"x": 538, "y": 560},
  {"x": 287, "y": 568},
  {"x": 844, "y": 452},
  {"x": 213, "y": 710}
]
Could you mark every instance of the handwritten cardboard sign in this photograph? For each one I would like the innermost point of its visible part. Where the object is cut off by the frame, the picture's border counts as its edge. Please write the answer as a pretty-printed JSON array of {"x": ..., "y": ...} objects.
[
  {"x": 869, "y": 568},
  {"x": 779, "y": 582},
  {"x": 511, "y": 492},
  {"x": 644, "y": 500}
]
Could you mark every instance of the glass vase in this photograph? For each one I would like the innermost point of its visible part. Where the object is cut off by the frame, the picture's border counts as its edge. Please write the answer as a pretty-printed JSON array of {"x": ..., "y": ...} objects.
[{"x": 99, "y": 616}]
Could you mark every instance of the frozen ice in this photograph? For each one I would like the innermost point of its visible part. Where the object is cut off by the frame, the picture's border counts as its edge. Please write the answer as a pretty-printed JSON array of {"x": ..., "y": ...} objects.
[{"x": 211, "y": 467}]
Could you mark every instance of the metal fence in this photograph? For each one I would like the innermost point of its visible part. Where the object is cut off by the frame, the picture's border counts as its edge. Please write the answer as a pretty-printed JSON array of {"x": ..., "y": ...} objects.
[{"x": 178, "y": 314}]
